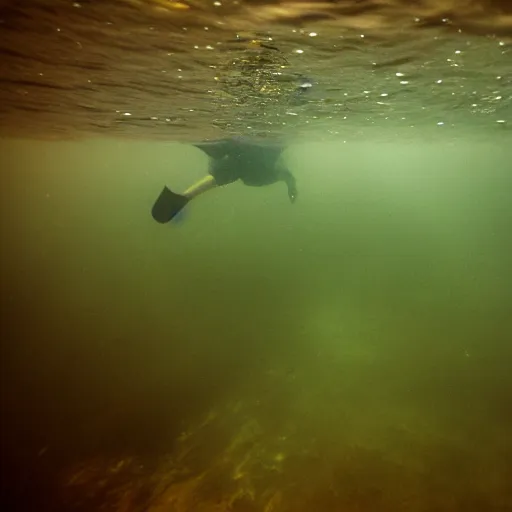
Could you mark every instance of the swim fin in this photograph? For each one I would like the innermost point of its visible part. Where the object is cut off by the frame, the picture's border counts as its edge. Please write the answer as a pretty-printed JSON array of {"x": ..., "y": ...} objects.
[{"x": 168, "y": 205}]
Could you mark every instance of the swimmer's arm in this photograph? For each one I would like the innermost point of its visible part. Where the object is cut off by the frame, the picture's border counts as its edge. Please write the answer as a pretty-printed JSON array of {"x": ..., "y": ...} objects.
[
  {"x": 286, "y": 176},
  {"x": 291, "y": 183}
]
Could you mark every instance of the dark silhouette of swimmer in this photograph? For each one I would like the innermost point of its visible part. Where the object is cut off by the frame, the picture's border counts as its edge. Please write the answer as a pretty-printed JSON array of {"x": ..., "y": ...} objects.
[{"x": 255, "y": 164}]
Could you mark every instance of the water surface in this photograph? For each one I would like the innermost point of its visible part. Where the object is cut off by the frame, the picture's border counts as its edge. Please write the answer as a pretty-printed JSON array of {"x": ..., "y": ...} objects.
[{"x": 163, "y": 69}]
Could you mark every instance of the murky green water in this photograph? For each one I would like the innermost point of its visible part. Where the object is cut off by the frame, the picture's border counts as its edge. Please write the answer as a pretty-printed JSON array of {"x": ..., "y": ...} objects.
[{"x": 350, "y": 352}]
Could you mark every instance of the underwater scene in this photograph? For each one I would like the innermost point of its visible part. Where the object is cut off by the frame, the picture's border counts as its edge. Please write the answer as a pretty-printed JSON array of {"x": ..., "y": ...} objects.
[{"x": 256, "y": 256}]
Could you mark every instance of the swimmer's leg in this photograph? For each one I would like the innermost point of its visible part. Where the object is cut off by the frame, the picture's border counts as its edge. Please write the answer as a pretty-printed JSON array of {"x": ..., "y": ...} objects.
[
  {"x": 169, "y": 203},
  {"x": 203, "y": 185}
]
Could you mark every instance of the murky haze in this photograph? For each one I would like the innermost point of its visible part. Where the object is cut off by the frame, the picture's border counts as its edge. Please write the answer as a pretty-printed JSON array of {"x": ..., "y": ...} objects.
[{"x": 349, "y": 352}]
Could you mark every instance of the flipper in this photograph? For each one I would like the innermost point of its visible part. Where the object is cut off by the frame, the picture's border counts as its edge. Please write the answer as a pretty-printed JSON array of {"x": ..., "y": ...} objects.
[{"x": 168, "y": 205}]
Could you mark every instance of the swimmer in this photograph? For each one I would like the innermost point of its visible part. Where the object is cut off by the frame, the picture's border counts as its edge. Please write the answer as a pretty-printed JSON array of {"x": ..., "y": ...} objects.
[{"x": 254, "y": 164}]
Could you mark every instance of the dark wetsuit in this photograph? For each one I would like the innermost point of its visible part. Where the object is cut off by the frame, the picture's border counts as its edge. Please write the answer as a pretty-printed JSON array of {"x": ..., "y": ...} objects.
[{"x": 255, "y": 164}]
